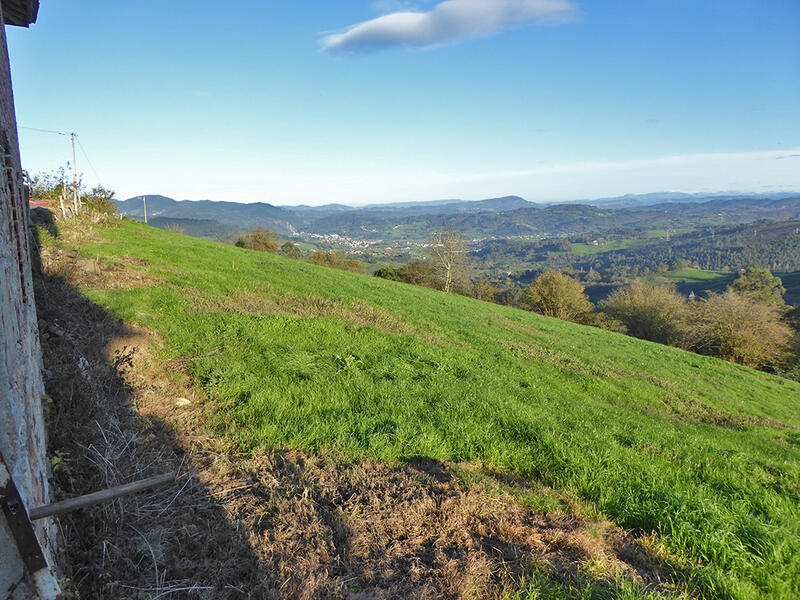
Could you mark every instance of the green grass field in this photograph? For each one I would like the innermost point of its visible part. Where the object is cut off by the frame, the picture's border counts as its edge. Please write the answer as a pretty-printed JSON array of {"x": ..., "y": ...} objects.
[
  {"x": 697, "y": 280},
  {"x": 704, "y": 453}
]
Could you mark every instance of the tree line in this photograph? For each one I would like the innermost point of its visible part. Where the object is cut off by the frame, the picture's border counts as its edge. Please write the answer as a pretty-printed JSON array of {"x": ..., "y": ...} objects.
[{"x": 262, "y": 239}]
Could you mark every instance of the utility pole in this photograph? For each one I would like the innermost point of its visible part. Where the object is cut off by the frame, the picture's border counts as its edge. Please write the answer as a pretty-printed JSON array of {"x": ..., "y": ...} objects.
[
  {"x": 144, "y": 201},
  {"x": 74, "y": 176}
]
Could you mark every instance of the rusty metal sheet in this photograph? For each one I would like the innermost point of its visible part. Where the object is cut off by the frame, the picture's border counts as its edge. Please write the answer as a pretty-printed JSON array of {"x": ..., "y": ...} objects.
[{"x": 17, "y": 519}]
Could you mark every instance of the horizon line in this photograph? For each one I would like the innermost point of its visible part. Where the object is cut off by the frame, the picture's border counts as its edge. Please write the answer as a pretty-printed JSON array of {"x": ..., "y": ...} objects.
[{"x": 709, "y": 194}]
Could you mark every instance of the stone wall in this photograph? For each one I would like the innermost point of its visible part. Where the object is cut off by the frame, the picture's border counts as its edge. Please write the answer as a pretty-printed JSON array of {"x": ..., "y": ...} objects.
[{"x": 22, "y": 434}]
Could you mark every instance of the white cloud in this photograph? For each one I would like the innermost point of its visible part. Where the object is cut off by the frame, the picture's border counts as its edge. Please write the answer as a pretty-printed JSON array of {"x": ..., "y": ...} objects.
[
  {"x": 449, "y": 21},
  {"x": 390, "y": 6}
]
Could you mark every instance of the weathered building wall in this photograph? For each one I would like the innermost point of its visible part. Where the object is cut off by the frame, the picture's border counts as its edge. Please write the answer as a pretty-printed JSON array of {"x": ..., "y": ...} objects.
[
  {"x": 22, "y": 434},
  {"x": 8, "y": 118}
]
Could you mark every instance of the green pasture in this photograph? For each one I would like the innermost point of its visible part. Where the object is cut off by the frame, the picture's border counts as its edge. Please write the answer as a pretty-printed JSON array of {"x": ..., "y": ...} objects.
[{"x": 703, "y": 453}]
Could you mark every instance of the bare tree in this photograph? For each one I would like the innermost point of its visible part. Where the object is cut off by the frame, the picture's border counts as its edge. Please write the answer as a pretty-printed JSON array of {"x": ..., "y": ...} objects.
[{"x": 450, "y": 252}]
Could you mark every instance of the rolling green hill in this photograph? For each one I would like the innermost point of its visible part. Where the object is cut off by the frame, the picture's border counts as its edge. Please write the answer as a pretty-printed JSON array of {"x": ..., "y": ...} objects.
[{"x": 702, "y": 453}]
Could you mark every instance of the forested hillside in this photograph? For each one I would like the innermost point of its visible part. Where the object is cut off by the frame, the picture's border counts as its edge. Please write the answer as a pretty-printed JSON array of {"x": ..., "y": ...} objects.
[
  {"x": 775, "y": 246},
  {"x": 493, "y": 218}
]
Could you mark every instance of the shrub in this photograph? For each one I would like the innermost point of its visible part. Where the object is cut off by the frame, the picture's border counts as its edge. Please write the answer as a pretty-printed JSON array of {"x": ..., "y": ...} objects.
[
  {"x": 324, "y": 259},
  {"x": 262, "y": 240},
  {"x": 737, "y": 328},
  {"x": 390, "y": 273},
  {"x": 420, "y": 273},
  {"x": 101, "y": 200},
  {"x": 331, "y": 259},
  {"x": 650, "y": 312},
  {"x": 290, "y": 250},
  {"x": 555, "y": 294},
  {"x": 791, "y": 369},
  {"x": 792, "y": 317},
  {"x": 48, "y": 187},
  {"x": 485, "y": 291},
  {"x": 415, "y": 272},
  {"x": 351, "y": 264},
  {"x": 173, "y": 227}
]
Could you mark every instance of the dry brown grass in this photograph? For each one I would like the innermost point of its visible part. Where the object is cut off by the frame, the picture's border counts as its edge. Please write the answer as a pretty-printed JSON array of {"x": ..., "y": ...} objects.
[{"x": 122, "y": 272}]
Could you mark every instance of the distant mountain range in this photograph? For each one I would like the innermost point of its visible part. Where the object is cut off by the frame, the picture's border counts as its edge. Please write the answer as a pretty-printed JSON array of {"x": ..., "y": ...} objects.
[
  {"x": 633, "y": 200},
  {"x": 231, "y": 214},
  {"x": 293, "y": 219},
  {"x": 494, "y": 217}
]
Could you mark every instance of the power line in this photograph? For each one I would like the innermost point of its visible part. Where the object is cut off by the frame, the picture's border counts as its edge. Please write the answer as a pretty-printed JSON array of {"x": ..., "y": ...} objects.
[
  {"x": 83, "y": 150},
  {"x": 42, "y": 130},
  {"x": 86, "y": 156}
]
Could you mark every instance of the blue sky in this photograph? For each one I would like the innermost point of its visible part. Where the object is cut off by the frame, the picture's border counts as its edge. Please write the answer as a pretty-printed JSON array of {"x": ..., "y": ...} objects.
[{"x": 349, "y": 101}]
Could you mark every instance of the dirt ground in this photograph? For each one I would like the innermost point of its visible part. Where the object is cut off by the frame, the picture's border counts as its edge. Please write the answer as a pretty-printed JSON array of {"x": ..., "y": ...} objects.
[{"x": 281, "y": 525}]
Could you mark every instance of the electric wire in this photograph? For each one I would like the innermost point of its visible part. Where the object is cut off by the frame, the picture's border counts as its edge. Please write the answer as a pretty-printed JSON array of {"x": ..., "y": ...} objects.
[
  {"x": 86, "y": 156},
  {"x": 42, "y": 130},
  {"x": 80, "y": 145}
]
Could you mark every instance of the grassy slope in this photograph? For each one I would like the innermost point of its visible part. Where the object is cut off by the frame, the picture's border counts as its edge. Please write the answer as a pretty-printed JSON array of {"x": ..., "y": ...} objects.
[{"x": 705, "y": 453}]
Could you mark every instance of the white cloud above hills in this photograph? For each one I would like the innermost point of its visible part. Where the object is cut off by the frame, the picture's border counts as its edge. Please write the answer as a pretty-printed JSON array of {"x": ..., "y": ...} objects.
[{"x": 448, "y": 22}]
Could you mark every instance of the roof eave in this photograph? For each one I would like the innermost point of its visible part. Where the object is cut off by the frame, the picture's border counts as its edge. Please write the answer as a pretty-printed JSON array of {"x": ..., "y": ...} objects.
[{"x": 20, "y": 13}]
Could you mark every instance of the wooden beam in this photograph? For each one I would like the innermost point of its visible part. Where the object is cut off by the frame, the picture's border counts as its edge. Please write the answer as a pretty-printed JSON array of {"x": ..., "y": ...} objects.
[{"x": 65, "y": 506}]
